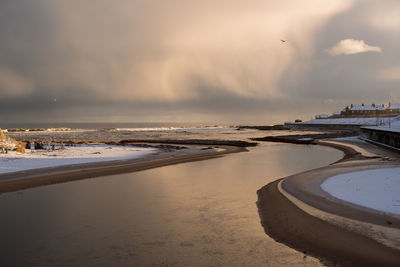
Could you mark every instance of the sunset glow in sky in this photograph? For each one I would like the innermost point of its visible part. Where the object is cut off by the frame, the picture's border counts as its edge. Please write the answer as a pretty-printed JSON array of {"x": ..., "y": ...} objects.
[{"x": 203, "y": 61}]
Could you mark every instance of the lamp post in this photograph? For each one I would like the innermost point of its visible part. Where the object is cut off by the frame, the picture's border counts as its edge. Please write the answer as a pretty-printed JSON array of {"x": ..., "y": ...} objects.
[{"x": 389, "y": 114}]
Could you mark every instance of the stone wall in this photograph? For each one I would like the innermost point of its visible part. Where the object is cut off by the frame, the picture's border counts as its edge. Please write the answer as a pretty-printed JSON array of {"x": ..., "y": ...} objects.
[
  {"x": 381, "y": 136},
  {"x": 312, "y": 126}
]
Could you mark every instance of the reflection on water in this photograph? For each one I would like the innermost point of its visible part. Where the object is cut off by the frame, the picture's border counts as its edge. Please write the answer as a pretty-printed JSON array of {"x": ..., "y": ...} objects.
[{"x": 194, "y": 214}]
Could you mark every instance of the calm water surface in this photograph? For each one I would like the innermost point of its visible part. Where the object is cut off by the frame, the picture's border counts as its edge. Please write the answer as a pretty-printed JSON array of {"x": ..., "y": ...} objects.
[{"x": 194, "y": 214}]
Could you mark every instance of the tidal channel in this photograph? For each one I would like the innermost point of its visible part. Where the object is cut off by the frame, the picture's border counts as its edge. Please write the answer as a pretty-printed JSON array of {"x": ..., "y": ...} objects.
[{"x": 193, "y": 214}]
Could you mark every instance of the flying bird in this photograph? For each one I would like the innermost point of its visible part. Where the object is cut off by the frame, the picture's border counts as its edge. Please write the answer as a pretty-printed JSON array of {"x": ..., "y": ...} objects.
[{"x": 283, "y": 41}]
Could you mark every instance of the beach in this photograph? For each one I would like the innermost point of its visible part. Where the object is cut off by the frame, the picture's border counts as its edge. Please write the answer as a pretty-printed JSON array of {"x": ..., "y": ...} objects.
[
  {"x": 297, "y": 212},
  {"x": 199, "y": 133},
  {"x": 44, "y": 176},
  {"x": 294, "y": 211}
]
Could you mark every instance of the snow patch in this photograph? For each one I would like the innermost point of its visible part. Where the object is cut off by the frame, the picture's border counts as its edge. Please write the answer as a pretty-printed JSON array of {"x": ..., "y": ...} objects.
[
  {"x": 377, "y": 189},
  {"x": 394, "y": 125},
  {"x": 354, "y": 121},
  {"x": 77, "y": 154},
  {"x": 360, "y": 150}
]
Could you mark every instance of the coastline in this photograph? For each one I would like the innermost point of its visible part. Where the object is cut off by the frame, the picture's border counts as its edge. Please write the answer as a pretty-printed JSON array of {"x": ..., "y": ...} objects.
[
  {"x": 281, "y": 216},
  {"x": 20, "y": 180},
  {"x": 297, "y": 212}
]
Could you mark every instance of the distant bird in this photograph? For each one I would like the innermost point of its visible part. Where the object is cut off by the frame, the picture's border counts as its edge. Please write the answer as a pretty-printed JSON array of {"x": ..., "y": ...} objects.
[
  {"x": 283, "y": 41},
  {"x": 55, "y": 100}
]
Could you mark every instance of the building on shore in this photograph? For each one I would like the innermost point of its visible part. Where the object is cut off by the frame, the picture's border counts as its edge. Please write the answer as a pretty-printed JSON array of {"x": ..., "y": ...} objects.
[
  {"x": 365, "y": 111},
  {"x": 394, "y": 109}
]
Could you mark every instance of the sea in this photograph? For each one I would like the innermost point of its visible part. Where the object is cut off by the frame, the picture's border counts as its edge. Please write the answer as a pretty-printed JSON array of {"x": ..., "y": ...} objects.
[{"x": 123, "y": 131}]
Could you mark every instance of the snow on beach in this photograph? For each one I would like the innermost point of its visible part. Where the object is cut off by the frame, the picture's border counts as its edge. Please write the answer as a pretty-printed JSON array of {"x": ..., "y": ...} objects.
[
  {"x": 378, "y": 189},
  {"x": 355, "y": 121},
  {"x": 357, "y": 148},
  {"x": 394, "y": 126},
  {"x": 44, "y": 130},
  {"x": 77, "y": 154}
]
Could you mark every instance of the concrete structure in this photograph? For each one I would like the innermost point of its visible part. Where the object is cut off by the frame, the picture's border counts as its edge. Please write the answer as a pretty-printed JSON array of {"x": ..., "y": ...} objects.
[
  {"x": 316, "y": 126},
  {"x": 384, "y": 137},
  {"x": 321, "y": 116}
]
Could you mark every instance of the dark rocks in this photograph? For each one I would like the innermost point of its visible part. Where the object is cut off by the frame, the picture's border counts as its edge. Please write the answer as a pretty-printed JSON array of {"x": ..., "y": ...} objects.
[
  {"x": 205, "y": 142},
  {"x": 304, "y": 138},
  {"x": 265, "y": 128}
]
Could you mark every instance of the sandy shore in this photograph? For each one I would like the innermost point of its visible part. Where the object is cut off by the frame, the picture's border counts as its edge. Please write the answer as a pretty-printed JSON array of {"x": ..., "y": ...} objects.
[
  {"x": 45, "y": 176},
  {"x": 298, "y": 213}
]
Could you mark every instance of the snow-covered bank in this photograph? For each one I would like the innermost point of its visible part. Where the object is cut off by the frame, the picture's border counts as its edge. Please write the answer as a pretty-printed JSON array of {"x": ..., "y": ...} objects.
[
  {"x": 355, "y": 121},
  {"x": 378, "y": 189},
  {"x": 394, "y": 126},
  {"x": 357, "y": 148},
  {"x": 14, "y": 161}
]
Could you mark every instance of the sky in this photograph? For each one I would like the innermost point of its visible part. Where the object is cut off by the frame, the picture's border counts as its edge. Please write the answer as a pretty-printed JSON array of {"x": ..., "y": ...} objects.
[{"x": 195, "y": 61}]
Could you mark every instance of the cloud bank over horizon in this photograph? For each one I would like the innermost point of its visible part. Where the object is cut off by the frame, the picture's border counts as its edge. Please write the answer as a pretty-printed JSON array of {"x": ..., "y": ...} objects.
[
  {"x": 180, "y": 60},
  {"x": 390, "y": 74},
  {"x": 173, "y": 51}
]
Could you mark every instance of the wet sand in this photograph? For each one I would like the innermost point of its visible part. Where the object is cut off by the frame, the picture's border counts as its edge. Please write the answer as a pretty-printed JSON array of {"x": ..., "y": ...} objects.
[
  {"x": 15, "y": 181},
  {"x": 346, "y": 234}
]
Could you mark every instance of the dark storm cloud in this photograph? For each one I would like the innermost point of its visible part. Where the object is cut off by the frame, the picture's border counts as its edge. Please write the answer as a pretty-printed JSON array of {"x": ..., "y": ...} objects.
[
  {"x": 183, "y": 60},
  {"x": 337, "y": 81}
]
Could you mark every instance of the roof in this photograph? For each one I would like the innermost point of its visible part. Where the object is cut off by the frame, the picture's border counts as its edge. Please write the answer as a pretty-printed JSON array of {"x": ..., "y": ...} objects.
[
  {"x": 368, "y": 107},
  {"x": 395, "y": 106},
  {"x": 321, "y": 116}
]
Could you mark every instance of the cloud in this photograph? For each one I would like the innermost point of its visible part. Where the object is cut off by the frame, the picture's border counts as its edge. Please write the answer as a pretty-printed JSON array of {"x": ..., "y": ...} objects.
[
  {"x": 12, "y": 84},
  {"x": 390, "y": 74},
  {"x": 159, "y": 50},
  {"x": 383, "y": 16},
  {"x": 352, "y": 46}
]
